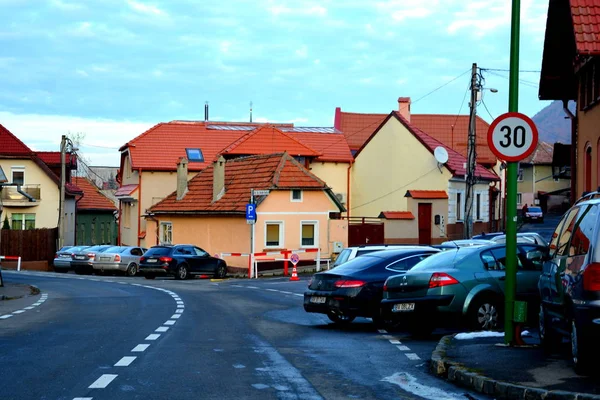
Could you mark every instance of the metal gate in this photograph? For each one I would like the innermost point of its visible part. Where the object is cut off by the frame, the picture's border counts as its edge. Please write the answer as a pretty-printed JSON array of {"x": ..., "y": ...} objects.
[{"x": 364, "y": 230}]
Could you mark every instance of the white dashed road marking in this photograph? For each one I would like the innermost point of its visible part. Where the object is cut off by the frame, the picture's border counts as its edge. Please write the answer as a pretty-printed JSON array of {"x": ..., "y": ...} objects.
[
  {"x": 412, "y": 356},
  {"x": 103, "y": 381},
  {"x": 395, "y": 341},
  {"x": 153, "y": 336},
  {"x": 403, "y": 348},
  {"x": 139, "y": 348},
  {"x": 161, "y": 329},
  {"x": 82, "y": 398},
  {"x": 6, "y": 316},
  {"x": 170, "y": 322},
  {"x": 38, "y": 303},
  {"x": 125, "y": 361},
  {"x": 175, "y": 316}
]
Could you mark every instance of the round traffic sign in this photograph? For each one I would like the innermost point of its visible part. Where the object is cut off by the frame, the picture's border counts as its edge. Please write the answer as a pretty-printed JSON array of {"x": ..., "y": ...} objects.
[
  {"x": 294, "y": 258},
  {"x": 512, "y": 136}
]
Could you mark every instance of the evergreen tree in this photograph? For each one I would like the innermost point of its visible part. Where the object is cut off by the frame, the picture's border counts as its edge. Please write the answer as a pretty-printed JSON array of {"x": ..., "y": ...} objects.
[{"x": 6, "y": 225}]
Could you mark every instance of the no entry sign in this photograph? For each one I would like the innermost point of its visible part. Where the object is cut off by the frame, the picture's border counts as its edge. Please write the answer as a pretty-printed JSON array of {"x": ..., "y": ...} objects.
[{"x": 512, "y": 136}]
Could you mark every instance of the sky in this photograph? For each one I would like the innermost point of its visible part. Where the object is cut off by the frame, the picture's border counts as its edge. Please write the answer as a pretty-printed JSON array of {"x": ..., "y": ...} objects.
[{"x": 110, "y": 69}]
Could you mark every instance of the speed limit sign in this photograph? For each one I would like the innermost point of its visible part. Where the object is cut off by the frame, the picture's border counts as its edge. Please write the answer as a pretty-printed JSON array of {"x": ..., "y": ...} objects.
[{"x": 512, "y": 136}]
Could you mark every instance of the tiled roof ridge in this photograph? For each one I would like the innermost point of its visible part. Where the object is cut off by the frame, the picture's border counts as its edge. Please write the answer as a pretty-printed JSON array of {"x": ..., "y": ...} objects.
[
  {"x": 231, "y": 123},
  {"x": 3, "y": 129},
  {"x": 284, "y": 159},
  {"x": 247, "y": 136},
  {"x": 138, "y": 137}
]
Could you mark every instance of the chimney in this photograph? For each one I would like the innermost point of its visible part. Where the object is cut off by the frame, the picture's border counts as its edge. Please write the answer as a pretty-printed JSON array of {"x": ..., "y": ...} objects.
[
  {"x": 206, "y": 112},
  {"x": 218, "y": 178},
  {"x": 182, "y": 173},
  {"x": 404, "y": 107}
]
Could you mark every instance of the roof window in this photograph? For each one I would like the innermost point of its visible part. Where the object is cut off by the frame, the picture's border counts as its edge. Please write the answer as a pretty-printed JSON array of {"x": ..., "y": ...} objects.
[{"x": 194, "y": 155}]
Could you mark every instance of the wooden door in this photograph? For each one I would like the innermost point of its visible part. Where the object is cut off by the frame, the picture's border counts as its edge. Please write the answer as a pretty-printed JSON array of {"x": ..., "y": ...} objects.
[{"x": 424, "y": 223}]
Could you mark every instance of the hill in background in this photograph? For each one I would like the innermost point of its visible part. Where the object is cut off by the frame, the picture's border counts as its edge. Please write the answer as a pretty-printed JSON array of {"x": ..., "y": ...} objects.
[{"x": 553, "y": 124}]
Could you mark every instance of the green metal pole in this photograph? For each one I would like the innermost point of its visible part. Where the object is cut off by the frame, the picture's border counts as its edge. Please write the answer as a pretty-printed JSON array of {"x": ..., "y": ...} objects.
[{"x": 511, "y": 184}]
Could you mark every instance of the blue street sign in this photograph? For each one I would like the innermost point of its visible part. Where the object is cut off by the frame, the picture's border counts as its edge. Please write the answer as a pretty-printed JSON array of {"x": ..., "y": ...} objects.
[{"x": 251, "y": 212}]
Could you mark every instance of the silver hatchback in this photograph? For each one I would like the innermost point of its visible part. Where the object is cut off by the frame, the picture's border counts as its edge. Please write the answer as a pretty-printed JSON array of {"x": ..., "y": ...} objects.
[{"x": 119, "y": 258}]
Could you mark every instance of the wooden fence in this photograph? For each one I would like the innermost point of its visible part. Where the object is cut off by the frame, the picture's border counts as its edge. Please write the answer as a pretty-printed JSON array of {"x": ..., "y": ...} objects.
[{"x": 29, "y": 244}]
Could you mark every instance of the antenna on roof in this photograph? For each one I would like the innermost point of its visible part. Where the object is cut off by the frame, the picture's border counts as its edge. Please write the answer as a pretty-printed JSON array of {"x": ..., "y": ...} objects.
[
  {"x": 206, "y": 111},
  {"x": 250, "y": 112}
]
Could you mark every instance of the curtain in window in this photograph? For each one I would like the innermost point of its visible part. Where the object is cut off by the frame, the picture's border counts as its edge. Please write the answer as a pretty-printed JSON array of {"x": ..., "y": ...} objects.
[
  {"x": 308, "y": 234},
  {"x": 272, "y": 234}
]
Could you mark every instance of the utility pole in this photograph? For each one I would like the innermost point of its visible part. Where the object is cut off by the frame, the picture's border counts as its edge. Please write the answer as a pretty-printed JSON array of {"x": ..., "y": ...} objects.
[
  {"x": 61, "y": 204},
  {"x": 471, "y": 155}
]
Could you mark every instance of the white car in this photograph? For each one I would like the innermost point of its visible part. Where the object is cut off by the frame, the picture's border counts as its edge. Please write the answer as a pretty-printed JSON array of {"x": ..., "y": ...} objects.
[
  {"x": 523, "y": 237},
  {"x": 119, "y": 258},
  {"x": 352, "y": 252}
]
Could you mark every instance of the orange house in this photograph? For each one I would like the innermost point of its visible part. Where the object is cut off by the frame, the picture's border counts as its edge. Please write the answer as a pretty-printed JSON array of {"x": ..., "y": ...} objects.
[{"x": 299, "y": 212}]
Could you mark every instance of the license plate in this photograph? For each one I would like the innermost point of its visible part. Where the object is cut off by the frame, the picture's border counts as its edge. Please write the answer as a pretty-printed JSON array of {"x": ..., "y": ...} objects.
[
  {"x": 534, "y": 217},
  {"x": 151, "y": 260},
  {"x": 79, "y": 257},
  {"x": 104, "y": 258},
  {"x": 318, "y": 299},
  {"x": 403, "y": 307}
]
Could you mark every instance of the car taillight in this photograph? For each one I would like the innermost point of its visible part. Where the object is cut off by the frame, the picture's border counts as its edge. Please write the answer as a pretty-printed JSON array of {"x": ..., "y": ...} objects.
[
  {"x": 348, "y": 283},
  {"x": 117, "y": 258},
  {"x": 385, "y": 287},
  {"x": 591, "y": 277},
  {"x": 56, "y": 255},
  {"x": 142, "y": 259},
  {"x": 91, "y": 256},
  {"x": 165, "y": 259},
  {"x": 439, "y": 279}
]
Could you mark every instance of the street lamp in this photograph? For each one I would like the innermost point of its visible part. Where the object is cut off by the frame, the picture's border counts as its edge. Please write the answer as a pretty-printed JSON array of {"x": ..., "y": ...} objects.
[{"x": 65, "y": 145}]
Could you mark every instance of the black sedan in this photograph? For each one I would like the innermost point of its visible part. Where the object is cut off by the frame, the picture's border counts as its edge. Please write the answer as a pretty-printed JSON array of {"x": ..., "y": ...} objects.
[
  {"x": 355, "y": 288},
  {"x": 181, "y": 261}
]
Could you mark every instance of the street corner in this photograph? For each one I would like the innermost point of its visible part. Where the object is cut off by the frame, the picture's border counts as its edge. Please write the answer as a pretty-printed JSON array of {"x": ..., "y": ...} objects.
[{"x": 14, "y": 291}]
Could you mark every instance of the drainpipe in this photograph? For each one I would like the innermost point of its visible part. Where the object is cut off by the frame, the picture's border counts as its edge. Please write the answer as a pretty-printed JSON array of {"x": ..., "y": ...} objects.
[
  {"x": 348, "y": 190},
  {"x": 139, "y": 224},
  {"x": 573, "y": 119},
  {"x": 119, "y": 223},
  {"x": 21, "y": 192}
]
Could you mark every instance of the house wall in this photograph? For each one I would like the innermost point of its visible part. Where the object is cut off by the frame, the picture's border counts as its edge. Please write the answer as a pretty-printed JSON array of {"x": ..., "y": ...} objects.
[
  {"x": 587, "y": 135},
  {"x": 393, "y": 162},
  {"x": 334, "y": 174},
  {"x": 46, "y": 210},
  {"x": 455, "y": 226},
  {"x": 537, "y": 178},
  {"x": 545, "y": 182}
]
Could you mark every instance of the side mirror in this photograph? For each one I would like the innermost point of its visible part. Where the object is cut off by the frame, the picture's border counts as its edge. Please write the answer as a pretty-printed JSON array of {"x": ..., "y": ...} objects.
[{"x": 535, "y": 255}]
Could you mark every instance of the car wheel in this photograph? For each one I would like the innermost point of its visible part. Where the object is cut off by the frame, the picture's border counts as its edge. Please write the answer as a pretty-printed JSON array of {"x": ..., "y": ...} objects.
[
  {"x": 61, "y": 270},
  {"x": 340, "y": 317},
  {"x": 182, "y": 272},
  {"x": 131, "y": 269},
  {"x": 221, "y": 271},
  {"x": 580, "y": 351},
  {"x": 149, "y": 276},
  {"x": 549, "y": 339},
  {"x": 485, "y": 314}
]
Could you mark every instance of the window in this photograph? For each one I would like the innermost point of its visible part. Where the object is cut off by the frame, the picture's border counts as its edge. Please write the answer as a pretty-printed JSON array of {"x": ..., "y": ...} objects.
[
  {"x": 584, "y": 230},
  {"x": 478, "y": 206},
  {"x": 519, "y": 198},
  {"x": 199, "y": 252},
  {"x": 18, "y": 175},
  {"x": 520, "y": 175},
  {"x": 194, "y": 155},
  {"x": 273, "y": 234},
  {"x": 296, "y": 195},
  {"x": 23, "y": 221},
  {"x": 458, "y": 207},
  {"x": 565, "y": 234},
  {"x": 407, "y": 263},
  {"x": 309, "y": 231},
  {"x": 166, "y": 233}
]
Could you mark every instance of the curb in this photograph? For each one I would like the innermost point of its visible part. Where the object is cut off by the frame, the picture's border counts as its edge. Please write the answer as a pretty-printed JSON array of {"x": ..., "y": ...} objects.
[
  {"x": 33, "y": 290},
  {"x": 461, "y": 376}
]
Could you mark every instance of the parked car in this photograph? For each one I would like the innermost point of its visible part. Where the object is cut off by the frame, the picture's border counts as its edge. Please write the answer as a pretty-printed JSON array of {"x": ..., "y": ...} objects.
[
  {"x": 523, "y": 237},
  {"x": 487, "y": 236},
  {"x": 181, "y": 261},
  {"x": 464, "y": 286},
  {"x": 534, "y": 214},
  {"x": 119, "y": 258},
  {"x": 570, "y": 286},
  {"x": 350, "y": 253},
  {"x": 82, "y": 260},
  {"x": 62, "y": 258},
  {"x": 355, "y": 288},
  {"x": 466, "y": 243}
]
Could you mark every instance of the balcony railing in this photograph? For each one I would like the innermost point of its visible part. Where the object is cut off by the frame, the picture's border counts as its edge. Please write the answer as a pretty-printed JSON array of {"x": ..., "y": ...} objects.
[{"x": 9, "y": 193}]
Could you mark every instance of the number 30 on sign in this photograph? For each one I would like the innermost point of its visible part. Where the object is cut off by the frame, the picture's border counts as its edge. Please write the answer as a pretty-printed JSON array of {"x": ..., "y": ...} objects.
[{"x": 512, "y": 136}]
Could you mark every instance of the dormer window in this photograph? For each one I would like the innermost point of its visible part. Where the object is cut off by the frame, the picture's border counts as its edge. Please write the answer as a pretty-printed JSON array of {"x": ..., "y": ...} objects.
[{"x": 194, "y": 155}]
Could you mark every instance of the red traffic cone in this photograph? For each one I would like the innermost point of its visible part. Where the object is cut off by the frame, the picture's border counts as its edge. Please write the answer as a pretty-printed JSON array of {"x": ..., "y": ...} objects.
[{"x": 294, "y": 276}]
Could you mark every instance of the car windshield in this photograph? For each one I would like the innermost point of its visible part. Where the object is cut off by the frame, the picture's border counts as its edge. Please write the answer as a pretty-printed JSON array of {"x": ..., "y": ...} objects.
[
  {"x": 534, "y": 209},
  {"x": 343, "y": 257},
  {"x": 444, "y": 259},
  {"x": 115, "y": 249},
  {"x": 357, "y": 264},
  {"x": 158, "y": 251}
]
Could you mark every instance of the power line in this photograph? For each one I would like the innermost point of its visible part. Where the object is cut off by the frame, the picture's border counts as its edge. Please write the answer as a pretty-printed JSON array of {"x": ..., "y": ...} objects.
[
  {"x": 486, "y": 109},
  {"x": 98, "y": 146},
  {"x": 508, "y": 70},
  {"x": 522, "y": 81}
]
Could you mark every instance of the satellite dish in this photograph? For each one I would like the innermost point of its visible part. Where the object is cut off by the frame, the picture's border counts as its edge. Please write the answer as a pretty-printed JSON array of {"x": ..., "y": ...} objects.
[{"x": 441, "y": 155}]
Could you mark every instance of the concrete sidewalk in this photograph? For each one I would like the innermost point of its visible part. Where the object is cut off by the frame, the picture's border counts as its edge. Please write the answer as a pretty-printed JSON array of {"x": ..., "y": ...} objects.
[{"x": 487, "y": 366}]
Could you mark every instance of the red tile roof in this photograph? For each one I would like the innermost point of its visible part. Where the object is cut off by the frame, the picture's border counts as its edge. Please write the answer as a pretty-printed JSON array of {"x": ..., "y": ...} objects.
[
  {"x": 272, "y": 172},
  {"x": 541, "y": 155},
  {"x": 586, "y": 25},
  {"x": 73, "y": 189},
  {"x": 11, "y": 145},
  {"x": 455, "y": 162},
  {"x": 159, "y": 148},
  {"x": 269, "y": 140},
  {"x": 397, "y": 215},
  {"x": 92, "y": 198},
  {"x": 126, "y": 190},
  {"x": 451, "y": 130},
  {"x": 53, "y": 157},
  {"x": 427, "y": 194}
]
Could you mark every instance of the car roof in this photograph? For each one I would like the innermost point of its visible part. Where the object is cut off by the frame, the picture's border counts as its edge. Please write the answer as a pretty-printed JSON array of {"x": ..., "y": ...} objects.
[{"x": 391, "y": 252}]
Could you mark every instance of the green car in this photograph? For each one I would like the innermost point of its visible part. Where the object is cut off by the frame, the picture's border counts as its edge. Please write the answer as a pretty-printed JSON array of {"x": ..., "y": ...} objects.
[{"x": 463, "y": 286}]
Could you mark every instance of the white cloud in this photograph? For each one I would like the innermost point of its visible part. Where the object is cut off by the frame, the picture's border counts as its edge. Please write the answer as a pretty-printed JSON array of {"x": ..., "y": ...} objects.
[
  {"x": 225, "y": 46},
  {"x": 302, "y": 52},
  {"x": 65, "y": 6},
  {"x": 367, "y": 81},
  {"x": 81, "y": 72},
  {"x": 144, "y": 8},
  {"x": 317, "y": 62},
  {"x": 401, "y": 81},
  {"x": 305, "y": 10},
  {"x": 43, "y": 133}
]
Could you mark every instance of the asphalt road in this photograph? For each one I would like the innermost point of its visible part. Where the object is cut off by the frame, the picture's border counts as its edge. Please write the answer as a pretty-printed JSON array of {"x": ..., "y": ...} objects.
[
  {"x": 96, "y": 338},
  {"x": 546, "y": 228}
]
